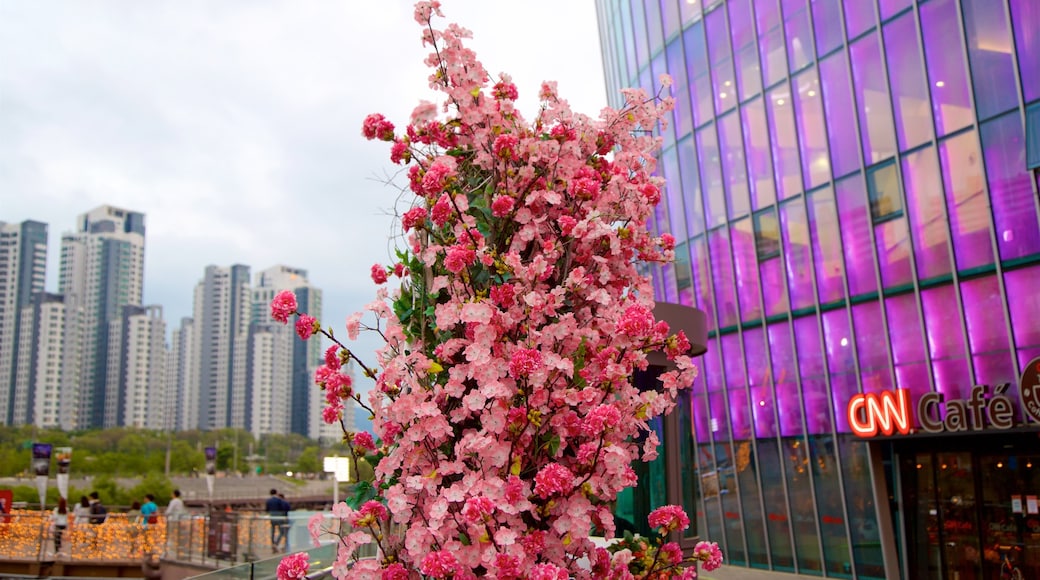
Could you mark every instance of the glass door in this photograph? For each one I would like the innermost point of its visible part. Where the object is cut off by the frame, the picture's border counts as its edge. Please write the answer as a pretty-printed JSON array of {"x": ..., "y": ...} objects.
[{"x": 1011, "y": 522}]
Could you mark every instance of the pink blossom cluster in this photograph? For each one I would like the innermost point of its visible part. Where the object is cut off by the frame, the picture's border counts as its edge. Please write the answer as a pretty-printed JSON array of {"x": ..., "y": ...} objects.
[
  {"x": 293, "y": 567},
  {"x": 504, "y": 403}
]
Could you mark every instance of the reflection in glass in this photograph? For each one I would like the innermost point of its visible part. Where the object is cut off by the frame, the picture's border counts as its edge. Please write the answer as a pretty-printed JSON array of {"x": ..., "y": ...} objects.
[
  {"x": 967, "y": 204},
  {"x": 909, "y": 88},
  {"x": 947, "y": 69},
  {"x": 874, "y": 108},
  {"x": 989, "y": 52}
]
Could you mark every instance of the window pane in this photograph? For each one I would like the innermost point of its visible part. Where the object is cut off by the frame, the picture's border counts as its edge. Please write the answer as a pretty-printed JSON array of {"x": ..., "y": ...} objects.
[
  {"x": 841, "y": 119},
  {"x": 742, "y": 29},
  {"x": 653, "y": 25},
  {"x": 689, "y": 12},
  {"x": 796, "y": 28},
  {"x": 924, "y": 200},
  {"x": 966, "y": 201},
  {"x": 669, "y": 170},
  {"x": 872, "y": 347},
  {"x": 946, "y": 342},
  {"x": 883, "y": 185},
  {"x": 854, "y": 218},
  {"x": 691, "y": 186},
  {"x": 875, "y": 112},
  {"x": 722, "y": 276},
  {"x": 763, "y": 403},
  {"x": 827, "y": 24},
  {"x": 639, "y": 30},
  {"x": 767, "y": 234},
  {"x": 906, "y": 337},
  {"x": 859, "y": 16},
  {"x": 721, "y": 61},
  {"x": 841, "y": 364},
  {"x": 711, "y": 177},
  {"x": 947, "y": 72},
  {"x": 826, "y": 245},
  {"x": 891, "y": 7},
  {"x": 746, "y": 269},
  {"x": 813, "y": 373},
  {"x": 770, "y": 41},
  {"x": 784, "y": 143},
  {"x": 892, "y": 238},
  {"x": 682, "y": 114},
  {"x": 697, "y": 72},
  {"x": 909, "y": 90},
  {"x": 701, "y": 270},
  {"x": 1024, "y": 306},
  {"x": 1025, "y": 18},
  {"x": 863, "y": 527},
  {"x": 811, "y": 132},
  {"x": 989, "y": 51},
  {"x": 759, "y": 162},
  {"x": 733, "y": 166},
  {"x": 829, "y": 500},
  {"x": 670, "y": 18},
  {"x": 796, "y": 253},
  {"x": 1010, "y": 188},
  {"x": 987, "y": 331},
  {"x": 774, "y": 289}
]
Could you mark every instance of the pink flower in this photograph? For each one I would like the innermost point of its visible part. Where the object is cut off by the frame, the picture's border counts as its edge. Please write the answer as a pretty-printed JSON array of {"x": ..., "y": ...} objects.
[
  {"x": 505, "y": 146},
  {"x": 553, "y": 479},
  {"x": 458, "y": 258},
  {"x": 669, "y": 518},
  {"x": 369, "y": 514},
  {"x": 378, "y": 274},
  {"x": 283, "y": 305},
  {"x": 524, "y": 362},
  {"x": 548, "y": 572},
  {"x": 441, "y": 211},
  {"x": 567, "y": 224},
  {"x": 395, "y": 571},
  {"x": 306, "y": 326},
  {"x": 709, "y": 553},
  {"x": 599, "y": 419},
  {"x": 477, "y": 508},
  {"x": 363, "y": 441},
  {"x": 353, "y": 325},
  {"x": 502, "y": 205},
  {"x": 400, "y": 153},
  {"x": 293, "y": 567},
  {"x": 332, "y": 357},
  {"x": 414, "y": 217},
  {"x": 505, "y": 90},
  {"x": 503, "y": 295},
  {"x": 668, "y": 241},
  {"x": 437, "y": 177},
  {"x": 439, "y": 564},
  {"x": 671, "y": 553},
  {"x": 637, "y": 321},
  {"x": 330, "y": 415},
  {"x": 377, "y": 127}
]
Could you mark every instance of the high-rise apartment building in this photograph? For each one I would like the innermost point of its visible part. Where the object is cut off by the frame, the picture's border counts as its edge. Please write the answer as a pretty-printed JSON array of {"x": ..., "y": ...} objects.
[
  {"x": 102, "y": 270},
  {"x": 853, "y": 189},
  {"x": 222, "y": 312},
  {"x": 182, "y": 393},
  {"x": 136, "y": 381},
  {"x": 39, "y": 375},
  {"x": 23, "y": 266}
]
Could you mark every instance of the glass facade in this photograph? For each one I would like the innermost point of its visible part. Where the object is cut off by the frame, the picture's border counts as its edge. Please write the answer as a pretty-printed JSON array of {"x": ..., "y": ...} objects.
[{"x": 853, "y": 190}]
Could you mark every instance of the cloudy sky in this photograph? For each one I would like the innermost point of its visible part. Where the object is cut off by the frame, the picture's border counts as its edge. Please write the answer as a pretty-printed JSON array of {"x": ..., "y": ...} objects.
[{"x": 235, "y": 125}]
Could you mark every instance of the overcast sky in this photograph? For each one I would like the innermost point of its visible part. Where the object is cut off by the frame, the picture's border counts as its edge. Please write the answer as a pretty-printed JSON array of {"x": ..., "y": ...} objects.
[{"x": 235, "y": 125}]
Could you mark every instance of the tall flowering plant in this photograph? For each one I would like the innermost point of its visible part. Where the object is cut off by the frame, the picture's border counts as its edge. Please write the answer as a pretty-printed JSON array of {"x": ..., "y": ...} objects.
[{"x": 503, "y": 401}]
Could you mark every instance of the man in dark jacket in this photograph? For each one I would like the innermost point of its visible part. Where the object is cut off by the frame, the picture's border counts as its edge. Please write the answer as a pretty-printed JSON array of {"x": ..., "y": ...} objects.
[{"x": 278, "y": 510}]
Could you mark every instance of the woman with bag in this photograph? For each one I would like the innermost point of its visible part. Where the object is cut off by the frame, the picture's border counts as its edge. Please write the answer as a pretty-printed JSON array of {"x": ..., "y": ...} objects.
[{"x": 60, "y": 521}]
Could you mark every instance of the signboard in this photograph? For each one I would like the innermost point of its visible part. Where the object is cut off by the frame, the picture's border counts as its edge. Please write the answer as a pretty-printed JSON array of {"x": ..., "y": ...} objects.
[
  {"x": 220, "y": 537},
  {"x": 891, "y": 412},
  {"x": 6, "y": 499}
]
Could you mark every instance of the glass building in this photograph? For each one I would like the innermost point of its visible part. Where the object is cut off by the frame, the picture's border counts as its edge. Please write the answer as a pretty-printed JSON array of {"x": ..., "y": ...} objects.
[{"x": 854, "y": 186}]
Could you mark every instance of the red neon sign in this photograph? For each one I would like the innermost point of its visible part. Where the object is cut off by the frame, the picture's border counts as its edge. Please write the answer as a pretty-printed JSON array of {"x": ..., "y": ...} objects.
[{"x": 886, "y": 412}]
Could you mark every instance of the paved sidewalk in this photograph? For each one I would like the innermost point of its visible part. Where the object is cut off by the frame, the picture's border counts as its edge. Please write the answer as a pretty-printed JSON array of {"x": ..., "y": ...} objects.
[{"x": 742, "y": 573}]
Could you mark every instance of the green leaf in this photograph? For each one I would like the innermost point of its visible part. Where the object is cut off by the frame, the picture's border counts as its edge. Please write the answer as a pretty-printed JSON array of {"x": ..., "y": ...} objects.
[{"x": 464, "y": 539}]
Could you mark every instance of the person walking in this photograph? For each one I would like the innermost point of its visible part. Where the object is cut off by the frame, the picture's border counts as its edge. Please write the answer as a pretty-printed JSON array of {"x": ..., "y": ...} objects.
[
  {"x": 60, "y": 521},
  {"x": 81, "y": 511},
  {"x": 175, "y": 510},
  {"x": 98, "y": 512},
  {"x": 277, "y": 511},
  {"x": 149, "y": 511}
]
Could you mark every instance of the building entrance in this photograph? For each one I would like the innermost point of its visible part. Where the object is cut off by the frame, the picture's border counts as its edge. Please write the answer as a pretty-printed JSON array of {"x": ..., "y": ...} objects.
[{"x": 970, "y": 507}]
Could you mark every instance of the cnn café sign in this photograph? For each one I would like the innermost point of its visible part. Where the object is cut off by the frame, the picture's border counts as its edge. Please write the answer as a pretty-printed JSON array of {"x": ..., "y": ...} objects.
[{"x": 890, "y": 412}]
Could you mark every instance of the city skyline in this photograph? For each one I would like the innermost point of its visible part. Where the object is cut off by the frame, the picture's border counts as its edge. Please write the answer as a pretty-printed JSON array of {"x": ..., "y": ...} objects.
[{"x": 249, "y": 148}]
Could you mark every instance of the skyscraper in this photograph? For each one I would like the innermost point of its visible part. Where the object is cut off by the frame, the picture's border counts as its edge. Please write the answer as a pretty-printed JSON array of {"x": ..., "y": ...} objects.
[
  {"x": 102, "y": 270},
  {"x": 23, "y": 265},
  {"x": 222, "y": 311},
  {"x": 136, "y": 381},
  {"x": 182, "y": 393},
  {"x": 852, "y": 185},
  {"x": 39, "y": 377}
]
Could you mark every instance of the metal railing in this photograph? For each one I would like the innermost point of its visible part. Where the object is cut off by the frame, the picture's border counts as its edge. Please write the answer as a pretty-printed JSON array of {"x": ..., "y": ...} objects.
[{"x": 27, "y": 535}]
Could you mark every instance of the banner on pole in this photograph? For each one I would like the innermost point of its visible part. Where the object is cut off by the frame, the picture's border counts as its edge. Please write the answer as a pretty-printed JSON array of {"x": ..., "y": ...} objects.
[
  {"x": 211, "y": 468},
  {"x": 41, "y": 465},
  {"x": 63, "y": 456}
]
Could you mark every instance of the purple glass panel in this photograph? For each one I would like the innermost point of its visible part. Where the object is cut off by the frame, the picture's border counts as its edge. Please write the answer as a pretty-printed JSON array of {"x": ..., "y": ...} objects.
[
  {"x": 795, "y": 232},
  {"x": 1010, "y": 187},
  {"x": 697, "y": 72},
  {"x": 681, "y": 114},
  {"x": 734, "y": 168},
  {"x": 1024, "y": 306},
  {"x": 763, "y": 403},
  {"x": 872, "y": 346},
  {"x": 659, "y": 67},
  {"x": 827, "y": 24},
  {"x": 669, "y": 170},
  {"x": 841, "y": 364},
  {"x": 639, "y": 32},
  {"x": 908, "y": 354},
  {"x": 736, "y": 381},
  {"x": 745, "y": 260},
  {"x": 841, "y": 119},
  {"x": 774, "y": 290},
  {"x": 875, "y": 109},
  {"x": 991, "y": 57},
  {"x": 826, "y": 245},
  {"x": 689, "y": 12},
  {"x": 907, "y": 80},
  {"x": 711, "y": 177},
  {"x": 684, "y": 276},
  {"x": 691, "y": 185},
  {"x": 745, "y": 57},
  {"x": 759, "y": 162},
  {"x": 785, "y": 377},
  {"x": 1025, "y": 18},
  {"x": 891, "y": 7},
  {"x": 670, "y": 18},
  {"x": 722, "y": 276},
  {"x": 966, "y": 201},
  {"x": 947, "y": 71},
  {"x": 946, "y": 342},
  {"x": 811, "y": 132},
  {"x": 859, "y": 16},
  {"x": 701, "y": 417},
  {"x": 854, "y": 217},
  {"x": 893, "y": 251},
  {"x": 924, "y": 201},
  {"x": 813, "y": 373},
  {"x": 770, "y": 41},
  {"x": 721, "y": 60},
  {"x": 702, "y": 279},
  {"x": 799, "y": 37},
  {"x": 784, "y": 142},
  {"x": 653, "y": 25},
  {"x": 987, "y": 331}
]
